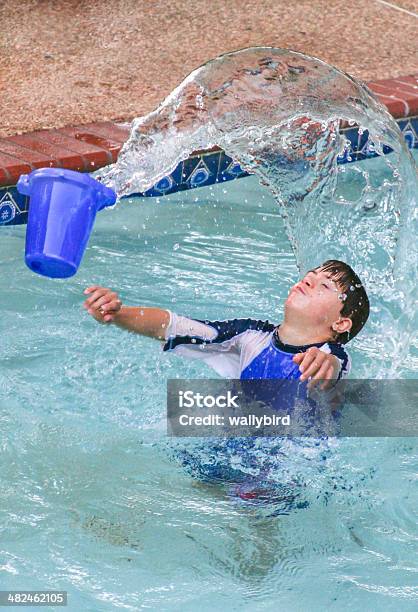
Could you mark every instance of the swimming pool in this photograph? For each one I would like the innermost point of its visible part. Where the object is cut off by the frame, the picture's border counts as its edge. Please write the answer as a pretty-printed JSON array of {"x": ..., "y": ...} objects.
[{"x": 91, "y": 500}]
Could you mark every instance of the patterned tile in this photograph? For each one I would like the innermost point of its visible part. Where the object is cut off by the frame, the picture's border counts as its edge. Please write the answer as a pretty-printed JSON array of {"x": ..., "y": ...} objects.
[{"x": 13, "y": 207}]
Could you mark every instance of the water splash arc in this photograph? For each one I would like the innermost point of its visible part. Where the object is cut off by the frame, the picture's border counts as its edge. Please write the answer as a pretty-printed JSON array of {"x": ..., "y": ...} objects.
[{"x": 278, "y": 113}]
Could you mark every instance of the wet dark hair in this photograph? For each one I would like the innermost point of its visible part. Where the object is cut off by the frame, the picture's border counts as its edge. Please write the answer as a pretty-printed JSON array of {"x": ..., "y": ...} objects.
[{"x": 354, "y": 298}]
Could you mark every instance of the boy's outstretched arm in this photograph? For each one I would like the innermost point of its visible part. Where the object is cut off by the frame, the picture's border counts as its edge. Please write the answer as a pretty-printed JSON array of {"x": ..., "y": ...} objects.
[{"x": 105, "y": 306}]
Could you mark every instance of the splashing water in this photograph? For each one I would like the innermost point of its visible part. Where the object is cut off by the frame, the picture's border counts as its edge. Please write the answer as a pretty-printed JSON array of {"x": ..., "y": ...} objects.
[{"x": 278, "y": 113}]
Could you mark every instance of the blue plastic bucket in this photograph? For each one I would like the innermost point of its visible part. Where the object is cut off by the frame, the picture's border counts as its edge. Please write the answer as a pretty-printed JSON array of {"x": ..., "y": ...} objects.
[{"x": 63, "y": 206}]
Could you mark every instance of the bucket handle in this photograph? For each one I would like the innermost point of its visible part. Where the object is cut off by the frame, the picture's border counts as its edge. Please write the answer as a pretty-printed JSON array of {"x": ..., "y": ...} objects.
[
  {"x": 23, "y": 184},
  {"x": 105, "y": 197}
]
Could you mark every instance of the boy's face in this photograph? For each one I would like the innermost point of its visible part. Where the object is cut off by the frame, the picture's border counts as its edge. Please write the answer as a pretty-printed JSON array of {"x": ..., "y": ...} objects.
[{"x": 316, "y": 299}]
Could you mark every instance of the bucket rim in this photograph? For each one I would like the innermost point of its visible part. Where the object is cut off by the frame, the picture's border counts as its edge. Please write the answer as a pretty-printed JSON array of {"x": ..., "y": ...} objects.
[{"x": 79, "y": 178}]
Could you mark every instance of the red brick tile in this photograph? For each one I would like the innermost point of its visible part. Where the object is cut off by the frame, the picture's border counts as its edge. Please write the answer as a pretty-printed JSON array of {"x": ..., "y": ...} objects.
[
  {"x": 29, "y": 141},
  {"x": 380, "y": 88},
  {"x": 410, "y": 81},
  {"x": 406, "y": 89},
  {"x": 206, "y": 151},
  {"x": 400, "y": 95},
  {"x": 412, "y": 106},
  {"x": 391, "y": 90},
  {"x": 92, "y": 156},
  {"x": 398, "y": 108},
  {"x": 85, "y": 135},
  {"x": 408, "y": 85},
  {"x": 107, "y": 129},
  {"x": 62, "y": 151},
  {"x": 5, "y": 178},
  {"x": 35, "y": 159},
  {"x": 12, "y": 168}
]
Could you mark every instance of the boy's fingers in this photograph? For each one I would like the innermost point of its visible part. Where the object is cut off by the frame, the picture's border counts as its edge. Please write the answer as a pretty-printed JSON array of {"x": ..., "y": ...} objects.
[
  {"x": 310, "y": 355},
  {"x": 309, "y": 358},
  {"x": 104, "y": 299},
  {"x": 327, "y": 384},
  {"x": 314, "y": 366},
  {"x": 320, "y": 376},
  {"x": 90, "y": 289},
  {"x": 113, "y": 305},
  {"x": 329, "y": 379},
  {"x": 98, "y": 293},
  {"x": 306, "y": 360}
]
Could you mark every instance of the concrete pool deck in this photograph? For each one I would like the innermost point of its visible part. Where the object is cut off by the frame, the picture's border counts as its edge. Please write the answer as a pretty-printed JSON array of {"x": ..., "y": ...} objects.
[{"x": 71, "y": 62}]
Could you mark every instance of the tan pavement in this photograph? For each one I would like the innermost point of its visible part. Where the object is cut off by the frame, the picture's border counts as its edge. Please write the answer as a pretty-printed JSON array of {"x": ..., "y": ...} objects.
[{"x": 71, "y": 61}]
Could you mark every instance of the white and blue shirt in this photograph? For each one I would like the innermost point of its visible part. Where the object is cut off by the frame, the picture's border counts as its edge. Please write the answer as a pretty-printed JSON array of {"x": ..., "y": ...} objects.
[{"x": 242, "y": 348}]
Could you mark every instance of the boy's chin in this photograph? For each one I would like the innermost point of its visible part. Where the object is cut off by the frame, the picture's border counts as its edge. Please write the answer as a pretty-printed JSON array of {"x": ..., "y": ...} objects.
[
  {"x": 295, "y": 305},
  {"x": 295, "y": 310}
]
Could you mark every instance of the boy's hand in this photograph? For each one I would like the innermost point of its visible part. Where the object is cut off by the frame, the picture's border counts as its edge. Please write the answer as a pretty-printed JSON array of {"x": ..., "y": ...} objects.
[
  {"x": 103, "y": 304},
  {"x": 318, "y": 365}
]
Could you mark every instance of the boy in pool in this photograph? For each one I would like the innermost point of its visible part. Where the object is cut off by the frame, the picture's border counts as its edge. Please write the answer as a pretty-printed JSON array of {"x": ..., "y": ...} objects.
[{"x": 323, "y": 311}]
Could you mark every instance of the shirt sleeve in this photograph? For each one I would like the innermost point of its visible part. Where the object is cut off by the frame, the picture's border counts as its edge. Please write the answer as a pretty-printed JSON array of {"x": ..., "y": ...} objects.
[{"x": 217, "y": 343}]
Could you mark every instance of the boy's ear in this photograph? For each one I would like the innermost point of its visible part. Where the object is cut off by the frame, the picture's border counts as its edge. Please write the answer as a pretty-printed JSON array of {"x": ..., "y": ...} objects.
[{"x": 343, "y": 324}]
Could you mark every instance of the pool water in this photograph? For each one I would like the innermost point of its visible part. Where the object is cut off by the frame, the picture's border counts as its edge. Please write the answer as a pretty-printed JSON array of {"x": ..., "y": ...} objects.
[{"x": 91, "y": 500}]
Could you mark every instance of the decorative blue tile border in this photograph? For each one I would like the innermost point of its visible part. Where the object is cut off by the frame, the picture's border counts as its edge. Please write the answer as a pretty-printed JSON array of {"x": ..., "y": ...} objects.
[
  {"x": 13, "y": 206},
  {"x": 210, "y": 168}
]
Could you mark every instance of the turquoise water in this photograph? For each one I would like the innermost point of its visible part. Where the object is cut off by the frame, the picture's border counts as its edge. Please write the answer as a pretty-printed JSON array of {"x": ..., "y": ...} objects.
[{"x": 90, "y": 499}]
